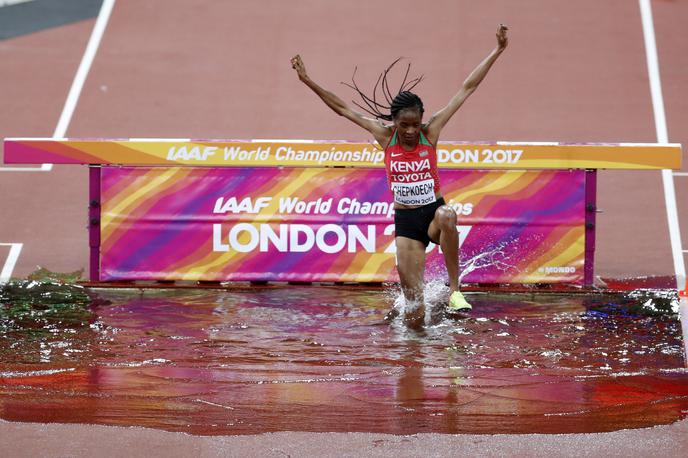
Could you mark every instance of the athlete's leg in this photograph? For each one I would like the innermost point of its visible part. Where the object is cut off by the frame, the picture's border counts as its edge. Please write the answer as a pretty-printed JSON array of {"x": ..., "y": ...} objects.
[
  {"x": 411, "y": 267},
  {"x": 443, "y": 229}
]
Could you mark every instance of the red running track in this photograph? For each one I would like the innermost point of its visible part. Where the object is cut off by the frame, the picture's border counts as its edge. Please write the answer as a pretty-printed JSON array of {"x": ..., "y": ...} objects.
[{"x": 574, "y": 71}]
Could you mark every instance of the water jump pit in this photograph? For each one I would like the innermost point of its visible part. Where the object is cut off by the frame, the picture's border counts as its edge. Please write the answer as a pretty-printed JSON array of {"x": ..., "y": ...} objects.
[{"x": 322, "y": 358}]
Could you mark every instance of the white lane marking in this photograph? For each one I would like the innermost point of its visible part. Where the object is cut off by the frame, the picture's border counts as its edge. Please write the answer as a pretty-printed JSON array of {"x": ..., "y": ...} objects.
[
  {"x": 6, "y": 273},
  {"x": 77, "y": 84},
  {"x": 12, "y": 2},
  {"x": 42, "y": 168},
  {"x": 681, "y": 174},
  {"x": 662, "y": 137},
  {"x": 84, "y": 67},
  {"x": 649, "y": 144}
]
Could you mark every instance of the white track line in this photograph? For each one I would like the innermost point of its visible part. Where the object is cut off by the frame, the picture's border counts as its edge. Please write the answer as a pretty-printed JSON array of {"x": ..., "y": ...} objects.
[
  {"x": 662, "y": 137},
  {"x": 65, "y": 117},
  {"x": 42, "y": 168},
  {"x": 77, "y": 84},
  {"x": 12, "y": 2},
  {"x": 84, "y": 67},
  {"x": 6, "y": 273}
]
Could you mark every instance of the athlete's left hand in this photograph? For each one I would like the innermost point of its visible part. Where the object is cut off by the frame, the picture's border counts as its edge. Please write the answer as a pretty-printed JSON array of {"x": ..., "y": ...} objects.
[{"x": 502, "y": 40}]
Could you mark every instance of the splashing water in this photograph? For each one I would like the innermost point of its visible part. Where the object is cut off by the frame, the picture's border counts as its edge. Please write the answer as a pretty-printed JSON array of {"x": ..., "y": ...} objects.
[
  {"x": 436, "y": 292},
  {"x": 322, "y": 359},
  {"x": 496, "y": 257}
]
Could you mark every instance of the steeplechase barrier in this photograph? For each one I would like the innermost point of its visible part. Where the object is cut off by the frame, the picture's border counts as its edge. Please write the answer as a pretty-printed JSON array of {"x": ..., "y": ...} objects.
[{"x": 302, "y": 211}]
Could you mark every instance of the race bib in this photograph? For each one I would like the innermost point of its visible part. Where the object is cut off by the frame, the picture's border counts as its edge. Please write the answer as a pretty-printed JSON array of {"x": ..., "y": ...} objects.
[{"x": 418, "y": 193}]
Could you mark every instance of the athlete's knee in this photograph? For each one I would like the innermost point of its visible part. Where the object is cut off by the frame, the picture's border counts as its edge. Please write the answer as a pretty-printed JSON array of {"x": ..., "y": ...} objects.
[{"x": 446, "y": 217}]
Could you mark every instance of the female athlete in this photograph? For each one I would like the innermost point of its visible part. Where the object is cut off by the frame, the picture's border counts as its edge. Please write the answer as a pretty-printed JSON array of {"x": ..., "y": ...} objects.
[{"x": 420, "y": 214}]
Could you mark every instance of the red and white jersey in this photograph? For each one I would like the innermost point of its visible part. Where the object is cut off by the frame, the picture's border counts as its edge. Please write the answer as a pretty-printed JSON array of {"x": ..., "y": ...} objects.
[{"x": 412, "y": 175}]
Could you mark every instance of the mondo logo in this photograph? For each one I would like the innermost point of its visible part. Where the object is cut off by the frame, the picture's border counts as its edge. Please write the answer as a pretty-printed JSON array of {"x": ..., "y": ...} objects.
[{"x": 557, "y": 270}]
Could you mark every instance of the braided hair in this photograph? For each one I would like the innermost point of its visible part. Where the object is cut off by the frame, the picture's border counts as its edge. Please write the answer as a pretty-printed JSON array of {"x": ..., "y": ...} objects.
[{"x": 405, "y": 99}]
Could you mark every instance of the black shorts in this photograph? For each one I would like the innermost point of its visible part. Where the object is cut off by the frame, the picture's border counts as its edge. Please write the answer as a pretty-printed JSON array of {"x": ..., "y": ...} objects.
[{"x": 415, "y": 222}]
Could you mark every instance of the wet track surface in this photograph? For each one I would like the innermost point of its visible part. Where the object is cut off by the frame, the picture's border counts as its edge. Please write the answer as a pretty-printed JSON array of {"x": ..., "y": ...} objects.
[{"x": 323, "y": 359}]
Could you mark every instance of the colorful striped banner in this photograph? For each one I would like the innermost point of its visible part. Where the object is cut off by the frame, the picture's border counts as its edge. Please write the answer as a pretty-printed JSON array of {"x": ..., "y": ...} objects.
[{"x": 331, "y": 224}]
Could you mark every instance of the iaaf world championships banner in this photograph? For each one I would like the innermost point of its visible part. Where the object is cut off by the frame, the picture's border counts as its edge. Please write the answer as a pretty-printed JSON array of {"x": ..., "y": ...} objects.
[
  {"x": 304, "y": 153},
  {"x": 331, "y": 224}
]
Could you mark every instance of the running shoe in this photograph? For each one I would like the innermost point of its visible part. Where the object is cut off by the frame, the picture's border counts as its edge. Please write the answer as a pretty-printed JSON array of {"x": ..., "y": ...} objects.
[{"x": 458, "y": 303}]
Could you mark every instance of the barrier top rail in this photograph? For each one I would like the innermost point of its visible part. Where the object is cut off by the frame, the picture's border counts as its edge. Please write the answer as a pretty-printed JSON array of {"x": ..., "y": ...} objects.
[{"x": 306, "y": 153}]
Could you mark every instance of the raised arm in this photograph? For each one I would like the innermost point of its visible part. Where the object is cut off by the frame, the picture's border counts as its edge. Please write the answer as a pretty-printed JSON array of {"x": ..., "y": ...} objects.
[
  {"x": 439, "y": 119},
  {"x": 381, "y": 132}
]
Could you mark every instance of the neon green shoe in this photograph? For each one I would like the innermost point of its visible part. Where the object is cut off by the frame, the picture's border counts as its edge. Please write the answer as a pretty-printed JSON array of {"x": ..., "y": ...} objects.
[{"x": 458, "y": 303}]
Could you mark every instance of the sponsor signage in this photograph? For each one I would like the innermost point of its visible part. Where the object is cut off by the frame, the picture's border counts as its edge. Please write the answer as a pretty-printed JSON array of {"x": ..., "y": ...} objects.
[
  {"x": 331, "y": 224},
  {"x": 179, "y": 152}
]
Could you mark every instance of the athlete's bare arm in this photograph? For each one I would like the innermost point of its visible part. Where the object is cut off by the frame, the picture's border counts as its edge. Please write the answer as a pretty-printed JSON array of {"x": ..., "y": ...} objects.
[
  {"x": 439, "y": 119},
  {"x": 382, "y": 133}
]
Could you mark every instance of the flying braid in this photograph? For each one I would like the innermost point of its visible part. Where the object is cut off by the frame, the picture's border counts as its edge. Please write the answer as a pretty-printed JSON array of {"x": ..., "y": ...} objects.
[{"x": 392, "y": 104}]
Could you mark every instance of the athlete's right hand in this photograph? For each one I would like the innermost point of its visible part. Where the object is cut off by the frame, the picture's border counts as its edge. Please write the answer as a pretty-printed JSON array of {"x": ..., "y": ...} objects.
[{"x": 297, "y": 64}]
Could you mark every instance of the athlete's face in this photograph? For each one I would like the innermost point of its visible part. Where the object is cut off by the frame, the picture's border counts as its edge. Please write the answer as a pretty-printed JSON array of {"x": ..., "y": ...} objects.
[{"x": 408, "y": 124}]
